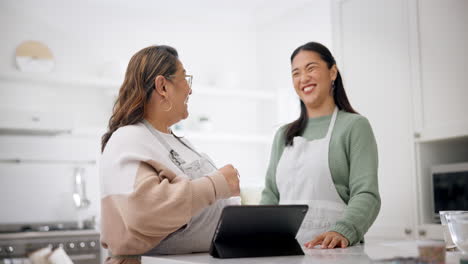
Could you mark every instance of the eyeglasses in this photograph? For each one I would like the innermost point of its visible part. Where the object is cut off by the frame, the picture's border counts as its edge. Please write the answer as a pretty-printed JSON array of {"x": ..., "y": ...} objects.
[{"x": 188, "y": 79}]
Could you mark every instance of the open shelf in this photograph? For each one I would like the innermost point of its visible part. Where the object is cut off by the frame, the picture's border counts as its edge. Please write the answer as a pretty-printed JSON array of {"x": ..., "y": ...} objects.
[
  {"x": 112, "y": 86},
  {"x": 428, "y": 154},
  {"x": 226, "y": 137},
  {"x": 247, "y": 94},
  {"x": 60, "y": 80},
  {"x": 190, "y": 135}
]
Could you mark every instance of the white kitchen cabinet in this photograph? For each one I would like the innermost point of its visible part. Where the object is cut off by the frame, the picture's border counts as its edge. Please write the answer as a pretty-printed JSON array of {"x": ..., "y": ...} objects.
[
  {"x": 443, "y": 38},
  {"x": 439, "y": 39},
  {"x": 371, "y": 44},
  {"x": 403, "y": 63}
]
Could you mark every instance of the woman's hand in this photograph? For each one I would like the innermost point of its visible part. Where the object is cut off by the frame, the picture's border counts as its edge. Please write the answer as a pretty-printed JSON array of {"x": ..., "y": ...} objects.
[
  {"x": 328, "y": 240},
  {"x": 232, "y": 177}
]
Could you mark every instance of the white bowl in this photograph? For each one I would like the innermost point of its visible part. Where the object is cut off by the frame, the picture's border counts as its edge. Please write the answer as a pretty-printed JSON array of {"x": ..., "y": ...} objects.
[
  {"x": 458, "y": 226},
  {"x": 443, "y": 220}
]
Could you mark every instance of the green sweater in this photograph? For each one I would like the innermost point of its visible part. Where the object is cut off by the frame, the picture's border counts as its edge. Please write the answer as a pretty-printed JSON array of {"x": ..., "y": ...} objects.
[{"x": 353, "y": 164}]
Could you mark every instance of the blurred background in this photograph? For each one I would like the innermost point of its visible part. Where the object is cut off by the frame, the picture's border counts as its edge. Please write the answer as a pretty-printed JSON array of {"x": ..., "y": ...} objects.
[{"x": 62, "y": 62}]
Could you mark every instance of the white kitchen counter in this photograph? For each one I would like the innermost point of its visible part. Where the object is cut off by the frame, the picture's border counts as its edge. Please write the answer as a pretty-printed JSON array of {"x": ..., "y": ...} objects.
[{"x": 361, "y": 254}]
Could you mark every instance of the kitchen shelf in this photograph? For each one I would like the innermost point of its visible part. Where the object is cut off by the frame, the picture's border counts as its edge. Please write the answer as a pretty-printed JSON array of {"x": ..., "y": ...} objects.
[
  {"x": 112, "y": 86},
  {"x": 226, "y": 137},
  {"x": 88, "y": 132},
  {"x": 248, "y": 94},
  {"x": 190, "y": 135},
  {"x": 60, "y": 80}
]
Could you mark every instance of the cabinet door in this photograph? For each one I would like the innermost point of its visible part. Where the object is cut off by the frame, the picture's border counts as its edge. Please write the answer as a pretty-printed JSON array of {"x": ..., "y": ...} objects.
[
  {"x": 371, "y": 41},
  {"x": 443, "y": 42}
]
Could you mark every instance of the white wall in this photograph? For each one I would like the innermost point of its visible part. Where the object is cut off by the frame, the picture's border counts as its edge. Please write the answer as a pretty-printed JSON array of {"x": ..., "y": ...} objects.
[
  {"x": 277, "y": 38},
  {"x": 84, "y": 36}
]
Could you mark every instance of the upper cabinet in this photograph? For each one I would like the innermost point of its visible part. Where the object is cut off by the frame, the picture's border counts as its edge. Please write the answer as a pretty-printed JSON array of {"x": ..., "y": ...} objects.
[
  {"x": 404, "y": 66},
  {"x": 443, "y": 38},
  {"x": 371, "y": 45}
]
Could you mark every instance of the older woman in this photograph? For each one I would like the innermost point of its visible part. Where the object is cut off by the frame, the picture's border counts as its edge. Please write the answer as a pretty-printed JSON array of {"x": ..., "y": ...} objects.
[{"x": 159, "y": 194}]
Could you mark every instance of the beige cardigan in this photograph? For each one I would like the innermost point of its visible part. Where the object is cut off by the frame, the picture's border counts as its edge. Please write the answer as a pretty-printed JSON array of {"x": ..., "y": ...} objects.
[{"x": 143, "y": 201}]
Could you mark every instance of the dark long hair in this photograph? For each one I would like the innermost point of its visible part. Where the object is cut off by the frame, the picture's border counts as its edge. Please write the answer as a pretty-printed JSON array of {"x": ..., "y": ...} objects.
[
  {"x": 297, "y": 127},
  {"x": 138, "y": 85}
]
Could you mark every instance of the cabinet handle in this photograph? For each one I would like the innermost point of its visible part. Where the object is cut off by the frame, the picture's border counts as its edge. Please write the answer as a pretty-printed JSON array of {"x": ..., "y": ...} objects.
[
  {"x": 422, "y": 232},
  {"x": 417, "y": 135},
  {"x": 408, "y": 231}
]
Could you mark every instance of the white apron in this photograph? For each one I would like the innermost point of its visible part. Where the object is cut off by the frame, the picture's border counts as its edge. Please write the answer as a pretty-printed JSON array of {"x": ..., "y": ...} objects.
[
  {"x": 196, "y": 235},
  {"x": 303, "y": 177}
]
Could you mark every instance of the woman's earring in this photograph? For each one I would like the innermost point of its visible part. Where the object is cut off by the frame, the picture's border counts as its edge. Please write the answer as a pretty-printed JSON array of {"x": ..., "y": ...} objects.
[
  {"x": 332, "y": 90},
  {"x": 170, "y": 107}
]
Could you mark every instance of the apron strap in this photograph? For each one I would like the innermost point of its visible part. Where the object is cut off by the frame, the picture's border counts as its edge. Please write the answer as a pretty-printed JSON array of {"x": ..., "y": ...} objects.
[
  {"x": 173, "y": 155},
  {"x": 157, "y": 135},
  {"x": 332, "y": 122},
  {"x": 164, "y": 143}
]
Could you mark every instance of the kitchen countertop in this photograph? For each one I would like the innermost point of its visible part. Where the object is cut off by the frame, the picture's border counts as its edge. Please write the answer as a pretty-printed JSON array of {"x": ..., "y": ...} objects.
[{"x": 370, "y": 252}]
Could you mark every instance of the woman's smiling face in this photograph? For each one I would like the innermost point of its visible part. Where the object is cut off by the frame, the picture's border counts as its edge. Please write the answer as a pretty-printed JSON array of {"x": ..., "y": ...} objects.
[
  {"x": 181, "y": 92},
  {"x": 312, "y": 79}
]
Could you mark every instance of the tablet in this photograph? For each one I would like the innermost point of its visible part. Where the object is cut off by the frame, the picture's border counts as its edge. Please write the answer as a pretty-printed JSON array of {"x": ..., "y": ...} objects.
[{"x": 258, "y": 230}]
